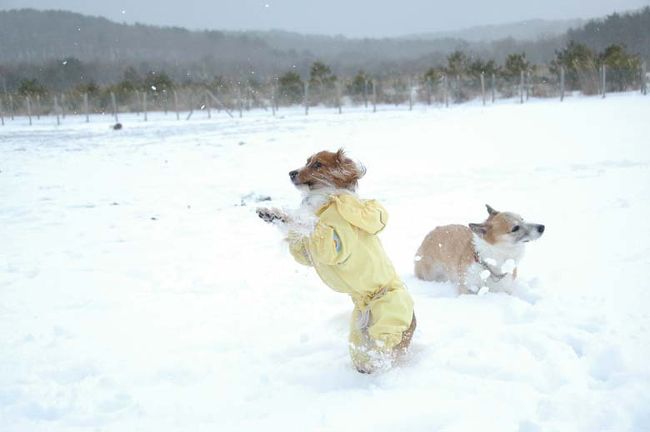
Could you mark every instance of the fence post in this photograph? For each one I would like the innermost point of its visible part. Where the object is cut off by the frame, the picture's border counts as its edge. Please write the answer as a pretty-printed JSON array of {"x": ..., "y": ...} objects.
[
  {"x": 644, "y": 83},
  {"x": 178, "y": 117},
  {"x": 11, "y": 107},
  {"x": 37, "y": 108},
  {"x": 521, "y": 86},
  {"x": 494, "y": 87},
  {"x": 527, "y": 85},
  {"x": 86, "y": 107},
  {"x": 239, "y": 102},
  {"x": 56, "y": 111},
  {"x": 374, "y": 96},
  {"x": 29, "y": 109},
  {"x": 273, "y": 99},
  {"x": 137, "y": 103},
  {"x": 114, "y": 103},
  {"x": 365, "y": 93},
  {"x": 144, "y": 104},
  {"x": 410, "y": 94},
  {"x": 338, "y": 96},
  {"x": 63, "y": 105},
  {"x": 306, "y": 101},
  {"x": 445, "y": 85},
  {"x": 2, "y": 117},
  {"x": 483, "y": 87},
  {"x": 561, "y": 83},
  {"x": 429, "y": 91},
  {"x": 189, "y": 115},
  {"x": 207, "y": 106},
  {"x": 604, "y": 84}
]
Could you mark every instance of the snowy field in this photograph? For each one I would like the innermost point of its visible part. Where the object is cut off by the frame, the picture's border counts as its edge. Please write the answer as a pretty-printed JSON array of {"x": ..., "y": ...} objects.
[{"x": 140, "y": 292}]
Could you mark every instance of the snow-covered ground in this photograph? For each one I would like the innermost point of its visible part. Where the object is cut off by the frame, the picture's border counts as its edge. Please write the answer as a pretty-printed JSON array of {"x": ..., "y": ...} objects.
[{"x": 140, "y": 292}]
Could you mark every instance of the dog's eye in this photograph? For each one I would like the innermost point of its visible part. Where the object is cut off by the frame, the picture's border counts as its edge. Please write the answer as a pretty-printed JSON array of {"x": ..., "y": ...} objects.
[
  {"x": 317, "y": 165},
  {"x": 515, "y": 228}
]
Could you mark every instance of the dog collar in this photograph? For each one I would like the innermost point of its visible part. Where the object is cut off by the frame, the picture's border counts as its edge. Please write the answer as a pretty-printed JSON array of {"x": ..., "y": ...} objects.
[{"x": 496, "y": 277}]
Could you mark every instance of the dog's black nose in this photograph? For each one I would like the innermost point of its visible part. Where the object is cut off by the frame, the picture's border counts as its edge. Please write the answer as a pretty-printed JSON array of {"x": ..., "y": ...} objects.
[
  {"x": 540, "y": 228},
  {"x": 293, "y": 174}
]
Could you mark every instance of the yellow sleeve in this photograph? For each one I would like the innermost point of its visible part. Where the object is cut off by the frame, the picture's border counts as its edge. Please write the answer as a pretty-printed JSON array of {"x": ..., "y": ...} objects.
[
  {"x": 378, "y": 212},
  {"x": 332, "y": 245},
  {"x": 298, "y": 248}
]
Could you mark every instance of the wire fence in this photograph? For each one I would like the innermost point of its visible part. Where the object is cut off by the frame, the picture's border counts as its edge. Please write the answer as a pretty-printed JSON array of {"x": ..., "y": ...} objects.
[{"x": 237, "y": 98}]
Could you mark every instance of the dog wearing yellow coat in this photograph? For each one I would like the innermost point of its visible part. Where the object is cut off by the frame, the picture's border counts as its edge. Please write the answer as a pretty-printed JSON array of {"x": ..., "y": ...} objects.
[{"x": 340, "y": 242}]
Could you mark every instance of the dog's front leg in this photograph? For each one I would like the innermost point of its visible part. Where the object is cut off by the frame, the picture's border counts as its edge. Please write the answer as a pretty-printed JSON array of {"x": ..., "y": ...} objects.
[{"x": 272, "y": 215}]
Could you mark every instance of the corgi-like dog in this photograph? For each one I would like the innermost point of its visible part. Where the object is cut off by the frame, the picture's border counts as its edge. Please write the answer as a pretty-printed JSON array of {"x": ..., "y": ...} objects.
[{"x": 479, "y": 257}]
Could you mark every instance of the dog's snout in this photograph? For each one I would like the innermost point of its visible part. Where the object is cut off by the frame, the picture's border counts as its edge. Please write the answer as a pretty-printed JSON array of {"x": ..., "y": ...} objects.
[
  {"x": 293, "y": 174},
  {"x": 540, "y": 229}
]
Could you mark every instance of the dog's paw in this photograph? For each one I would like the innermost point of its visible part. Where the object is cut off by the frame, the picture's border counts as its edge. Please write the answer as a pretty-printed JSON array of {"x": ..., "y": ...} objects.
[{"x": 271, "y": 215}]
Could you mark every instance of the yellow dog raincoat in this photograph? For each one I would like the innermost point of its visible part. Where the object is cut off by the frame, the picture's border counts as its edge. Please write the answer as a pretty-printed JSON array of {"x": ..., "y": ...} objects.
[{"x": 348, "y": 256}]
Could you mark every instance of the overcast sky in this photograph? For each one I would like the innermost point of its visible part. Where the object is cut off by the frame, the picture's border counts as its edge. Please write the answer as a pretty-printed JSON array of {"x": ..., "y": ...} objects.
[{"x": 354, "y": 18}]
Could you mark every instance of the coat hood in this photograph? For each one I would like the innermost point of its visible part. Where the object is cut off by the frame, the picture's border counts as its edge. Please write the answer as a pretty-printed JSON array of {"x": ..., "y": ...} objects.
[{"x": 367, "y": 215}]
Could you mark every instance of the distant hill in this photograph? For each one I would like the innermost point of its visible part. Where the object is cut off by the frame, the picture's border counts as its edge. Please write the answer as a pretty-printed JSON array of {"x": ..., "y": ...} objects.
[
  {"x": 32, "y": 41},
  {"x": 529, "y": 30},
  {"x": 36, "y": 37},
  {"x": 30, "y": 36}
]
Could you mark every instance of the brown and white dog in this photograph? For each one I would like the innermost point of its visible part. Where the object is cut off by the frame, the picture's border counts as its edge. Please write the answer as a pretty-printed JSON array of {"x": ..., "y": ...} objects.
[
  {"x": 336, "y": 233},
  {"x": 479, "y": 257}
]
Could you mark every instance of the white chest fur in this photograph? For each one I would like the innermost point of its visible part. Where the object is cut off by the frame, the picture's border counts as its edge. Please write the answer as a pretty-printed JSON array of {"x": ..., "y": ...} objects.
[{"x": 498, "y": 262}]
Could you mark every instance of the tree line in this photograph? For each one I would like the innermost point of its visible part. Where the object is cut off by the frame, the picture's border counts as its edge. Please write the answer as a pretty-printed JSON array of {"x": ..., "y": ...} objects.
[{"x": 459, "y": 78}]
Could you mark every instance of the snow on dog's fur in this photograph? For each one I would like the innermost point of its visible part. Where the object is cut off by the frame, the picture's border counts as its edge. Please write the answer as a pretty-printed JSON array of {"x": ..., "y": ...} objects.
[{"x": 479, "y": 257}]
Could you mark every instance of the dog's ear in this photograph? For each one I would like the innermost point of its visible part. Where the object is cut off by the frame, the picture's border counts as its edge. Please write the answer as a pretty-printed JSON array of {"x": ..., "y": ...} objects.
[
  {"x": 478, "y": 228},
  {"x": 340, "y": 155},
  {"x": 490, "y": 210},
  {"x": 343, "y": 160}
]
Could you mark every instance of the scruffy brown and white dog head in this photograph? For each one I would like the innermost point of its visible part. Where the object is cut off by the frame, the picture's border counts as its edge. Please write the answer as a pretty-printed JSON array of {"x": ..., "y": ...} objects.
[
  {"x": 328, "y": 170},
  {"x": 506, "y": 228}
]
